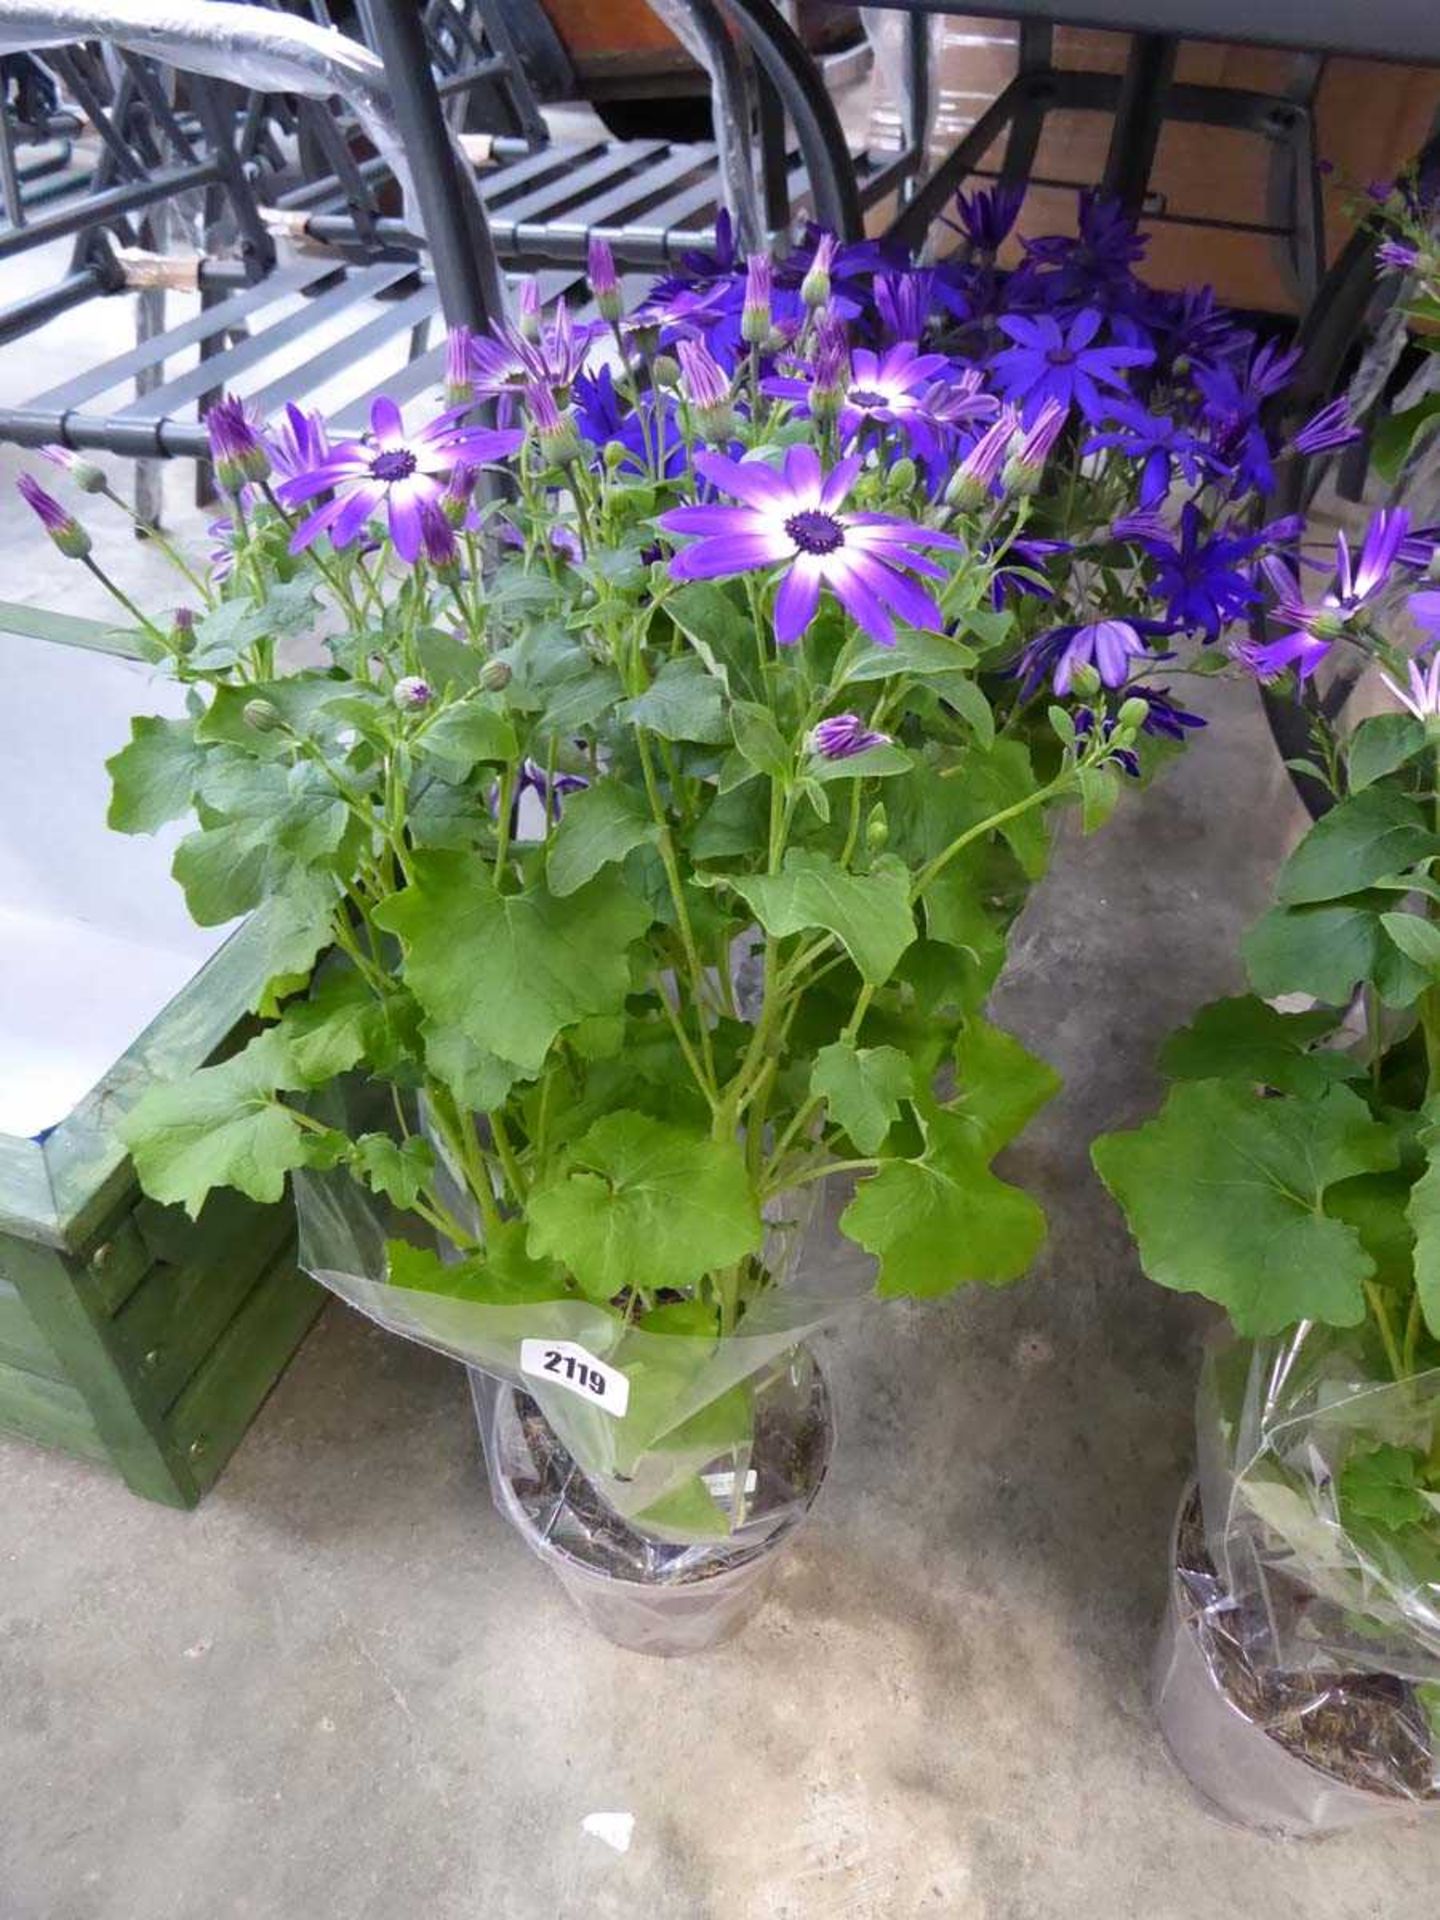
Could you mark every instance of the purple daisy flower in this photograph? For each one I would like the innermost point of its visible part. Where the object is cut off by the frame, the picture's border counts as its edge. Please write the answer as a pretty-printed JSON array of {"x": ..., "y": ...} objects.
[
  {"x": 794, "y": 518},
  {"x": 1202, "y": 579},
  {"x": 298, "y": 442},
  {"x": 903, "y": 302},
  {"x": 889, "y": 389},
  {"x": 1059, "y": 363},
  {"x": 1165, "y": 720},
  {"x": 1155, "y": 443},
  {"x": 1423, "y": 697},
  {"x": 1326, "y": 430},
  {"x": 505, "y": 360},
  {"x": 1107, "y": 645},
  {"x": 985, "y": 218},
  {"x": 392, "y": 470},
  {"x": 844, "y": 735},
  {"x": 1398, "y": 255}
]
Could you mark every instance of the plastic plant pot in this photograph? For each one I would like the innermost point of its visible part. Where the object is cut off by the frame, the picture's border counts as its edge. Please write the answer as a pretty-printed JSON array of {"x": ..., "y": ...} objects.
[{"x": 641, "y": 1590}]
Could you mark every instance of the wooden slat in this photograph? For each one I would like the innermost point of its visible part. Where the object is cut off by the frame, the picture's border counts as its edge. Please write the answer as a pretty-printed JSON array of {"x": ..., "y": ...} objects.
[
  {"x": 117, "y": 1264},
  {"x": 48, "y": 1411},
  {"x": 172, "y": 1321},
  {"x": 206, "y": 1422},
  {"x": 21, "y": 1342}
]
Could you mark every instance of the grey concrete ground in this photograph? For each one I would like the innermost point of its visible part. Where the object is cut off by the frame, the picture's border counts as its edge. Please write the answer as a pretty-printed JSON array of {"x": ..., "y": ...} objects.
[{"x": 342, "y": 1688}]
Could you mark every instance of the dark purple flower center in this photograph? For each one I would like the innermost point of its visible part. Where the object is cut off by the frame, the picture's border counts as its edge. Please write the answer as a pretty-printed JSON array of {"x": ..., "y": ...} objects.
[
  {"x": 1062, "y": 356},
  {"x": 815, "y": 532},
  {"x": 867, "y": 397},
  {"x": 396, "y": 463}
]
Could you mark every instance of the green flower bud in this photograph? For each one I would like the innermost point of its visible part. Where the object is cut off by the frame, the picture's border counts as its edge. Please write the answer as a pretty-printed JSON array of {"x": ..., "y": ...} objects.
[
  {"x": 495, "y": 676},
  {"x": 1133, "y": 713},
  {"x": 1085, "y": 681},
  {"x": 666, "y": 371},
  {"x": 902, "y": 476},
  {"x": 877, "y": 828},
  {"x": 263, "y": 715}
]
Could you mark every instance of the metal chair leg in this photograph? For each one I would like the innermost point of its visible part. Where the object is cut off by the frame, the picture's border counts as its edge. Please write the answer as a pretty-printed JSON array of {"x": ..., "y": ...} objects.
[{"x": 1139, "y": 116}]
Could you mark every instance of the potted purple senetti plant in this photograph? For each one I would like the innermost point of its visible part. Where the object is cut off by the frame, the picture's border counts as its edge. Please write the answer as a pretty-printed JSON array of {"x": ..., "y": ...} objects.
[{"x": 640, "y": 863}]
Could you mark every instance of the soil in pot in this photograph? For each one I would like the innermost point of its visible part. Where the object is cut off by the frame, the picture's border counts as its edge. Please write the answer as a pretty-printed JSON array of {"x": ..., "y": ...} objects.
[
  {"x": 1366, "y": 1730},
  {"x": 788, "y": 1459}
]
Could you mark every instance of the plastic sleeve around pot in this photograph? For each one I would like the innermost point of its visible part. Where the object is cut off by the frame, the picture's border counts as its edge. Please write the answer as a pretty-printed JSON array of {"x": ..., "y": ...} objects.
[{"x": 677, "y": 1417}]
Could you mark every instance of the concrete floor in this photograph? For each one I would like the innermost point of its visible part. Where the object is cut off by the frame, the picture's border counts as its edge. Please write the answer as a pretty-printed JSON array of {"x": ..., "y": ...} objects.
[{"x": 343, "y": 1691}]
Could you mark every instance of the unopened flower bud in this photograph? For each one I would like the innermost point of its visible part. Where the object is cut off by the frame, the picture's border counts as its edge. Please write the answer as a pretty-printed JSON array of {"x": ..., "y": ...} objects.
[
  {"x": 604, "y": 281},
  {"x": 1085, "y": 681},
  {"x": 263, "y": 716},
  {"x": 63, "y": 528},
  {"x": 755, "y": 312},
  {"x": 559, "y": 442},
  {"x": 815, "y": 287},
  {"x": 1133, "y": 713},
  {"x": 528, "y": 319},
  {"x": 412, "y": 694},
  {"x": 666, "y": 372},
  {"x": 182, "y": 630},
  {"x": 877, "y": 828},
  {"x": 84, "y": 473},
  {"x": 615, "y": 454},
  {"x": 902, "y": 476},
  {"x": 459, "y": 378},
  {"x": 495, "y": 676}
]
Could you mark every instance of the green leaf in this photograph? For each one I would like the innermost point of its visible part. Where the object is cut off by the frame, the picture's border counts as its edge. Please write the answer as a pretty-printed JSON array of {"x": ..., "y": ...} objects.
[
  {"x": 722, "y": 633},
  {"x": 292, "y": 928},
  {"x": 301, "y": 700},
  {"x": 683, "y": 702},
  {"x": 919, "y": 655},
  {"x": 968, "y": 700},
  {"x": 1001, "y": 1084},
  {"x": 734, "y": 822},
  {"x": 401, "y": 1171},
  {"x": 875, "y": 763},
  {"x": 333, "y": 1030},
  {"x": 759, "y": 741},
  {"x": 944, "y": 1218},
  {"x": 1417, "y": 938},
  {"x": 503, "y": 1275},
  {"x": 511, "y": 971},
  {"x": 1395, "y": 434},
  {"x": 641, "y": 1204},
  {"x": 1380, "y": 1486},
  {"x": 1224, "y": 1194},
  {"x": 260, "y": 824},
  {"x": 154, "y": 779},
  {"x": 222, "y": 1127},
  {"x": 1423, "y": 1214},
  {"x": 862, "y": 1087},
  {"x": 1379, "y": 745},
  {"x": 987, "y": 781},
  {"x": 599, "y": 826},
  {"x": 1325, "y": 950},
  {"x": 1366, "y": 838},
  {"x": 868, "y": 913},
  {"x": 469, "y": 733},
  {"x": 1099, "y": 791},
  {"x": 1245, "y": 1039}
]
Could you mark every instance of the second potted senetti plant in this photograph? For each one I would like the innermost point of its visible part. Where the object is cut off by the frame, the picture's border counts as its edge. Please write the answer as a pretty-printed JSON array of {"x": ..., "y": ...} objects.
[
  {"x": 638, "y": 851},
  {"x": 1293, "y": 1176}
]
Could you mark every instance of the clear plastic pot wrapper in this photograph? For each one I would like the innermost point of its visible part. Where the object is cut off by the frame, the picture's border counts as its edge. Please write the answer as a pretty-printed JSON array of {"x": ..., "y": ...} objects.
[
  {"x": 649, "y": 1413},
  {"x": 1307, "y": 1581},
  {"x": 646, "y": 1593}
]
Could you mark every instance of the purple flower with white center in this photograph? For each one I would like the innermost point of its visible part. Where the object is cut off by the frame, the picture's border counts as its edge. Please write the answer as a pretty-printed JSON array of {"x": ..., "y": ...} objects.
[
  {"x": 84, "y": 473},
  {"x": 1107, "y": 645},
  {"x": 61, "y": 525},
  {"x": 1201, "y": 578},
  {"x": 1156, "y": 444},
  {"x": 1397, "y": 255},
  {"x": 1060, "y": 364},
  {"x": 1423, "y": 697},
  {"x": 506, "y": 360},
  {"x": 889, "y": 389},
  {"x": 1165, "y": 720},
  {"x": 392, "y": 471},
  {"x": 755, "y": 312},
  {"x": 844, "y": 735},
  {"x": 298, "y": 441},
  {"x": 1326, "y": 430},
  {"x": 795, "y": 518},
  {"x": 986, "y": 217},
  {"x": 1359, "y": 582},
  {"x": 236, "y": 450}
]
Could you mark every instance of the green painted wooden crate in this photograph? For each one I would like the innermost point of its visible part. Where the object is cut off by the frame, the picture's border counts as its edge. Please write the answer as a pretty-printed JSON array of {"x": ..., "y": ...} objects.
[{"x": 128, "y": 1333}]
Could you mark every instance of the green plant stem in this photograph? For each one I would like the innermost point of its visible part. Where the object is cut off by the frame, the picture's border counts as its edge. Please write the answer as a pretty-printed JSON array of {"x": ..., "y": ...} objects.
[
  {"x": 934, "y": 868},
  {"x": 1376, "y": 1301},
  {"x": 120, "y": 594},
  {"x": 1414, "y": 1321},
  {"x": 519, "y": 1186},
  {"x": 682, "y": 912}
]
